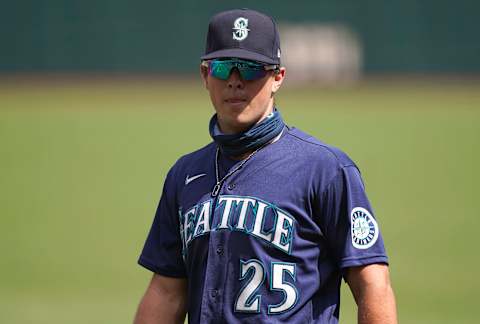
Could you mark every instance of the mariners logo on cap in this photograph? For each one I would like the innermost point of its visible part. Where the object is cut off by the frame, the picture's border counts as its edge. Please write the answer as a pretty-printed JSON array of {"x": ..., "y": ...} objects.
[
  {"x": 240, "y": 30},
  {"x": 364, "y": 228}
]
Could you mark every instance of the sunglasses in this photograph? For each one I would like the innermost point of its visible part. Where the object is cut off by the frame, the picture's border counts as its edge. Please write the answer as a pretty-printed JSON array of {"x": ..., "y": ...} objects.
[{"x": 249, "y": 70}]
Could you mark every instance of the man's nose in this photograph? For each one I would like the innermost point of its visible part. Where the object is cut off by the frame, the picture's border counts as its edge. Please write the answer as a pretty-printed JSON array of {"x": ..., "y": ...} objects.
[{"x": 235, "y": 80}]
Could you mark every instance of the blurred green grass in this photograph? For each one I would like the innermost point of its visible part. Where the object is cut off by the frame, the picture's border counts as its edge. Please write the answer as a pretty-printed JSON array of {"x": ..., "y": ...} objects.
[{"x": 82, "y": 165}]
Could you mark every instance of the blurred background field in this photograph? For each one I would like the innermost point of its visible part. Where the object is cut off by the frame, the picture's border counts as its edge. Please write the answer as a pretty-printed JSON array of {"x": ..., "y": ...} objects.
[
  {"x": 98, "y": 100},
  {"x": 82, "y": 165}
]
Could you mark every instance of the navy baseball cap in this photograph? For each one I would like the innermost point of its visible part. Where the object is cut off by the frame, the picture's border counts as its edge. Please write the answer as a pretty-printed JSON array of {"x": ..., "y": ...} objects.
[{"x": 245, "y": 34}]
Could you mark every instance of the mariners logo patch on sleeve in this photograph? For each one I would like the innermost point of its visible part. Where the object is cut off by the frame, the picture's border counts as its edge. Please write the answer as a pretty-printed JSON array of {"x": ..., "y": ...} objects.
[{"x": 364, "y": 228}]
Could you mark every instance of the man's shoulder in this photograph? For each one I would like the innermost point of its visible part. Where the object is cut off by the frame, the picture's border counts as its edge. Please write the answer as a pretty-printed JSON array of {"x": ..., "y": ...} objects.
[
  {"x": 197, "y": 159},
  {"x": 199, "y": 155},
  {"x": 315, "y": 149}
]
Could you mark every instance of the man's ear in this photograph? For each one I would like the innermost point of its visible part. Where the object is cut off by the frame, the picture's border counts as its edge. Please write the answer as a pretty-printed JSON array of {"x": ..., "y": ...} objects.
[
  {"x": 278, "y": 78},
  {"x": 204, "y": 75}
]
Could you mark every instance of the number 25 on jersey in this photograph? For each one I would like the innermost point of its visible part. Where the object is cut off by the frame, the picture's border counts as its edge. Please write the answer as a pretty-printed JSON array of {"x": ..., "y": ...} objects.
[{"x": 253, "y": 273}]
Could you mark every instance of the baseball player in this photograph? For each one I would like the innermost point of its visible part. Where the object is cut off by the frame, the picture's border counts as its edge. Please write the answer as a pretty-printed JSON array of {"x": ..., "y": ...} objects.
[{"x": 262, "y": 224}]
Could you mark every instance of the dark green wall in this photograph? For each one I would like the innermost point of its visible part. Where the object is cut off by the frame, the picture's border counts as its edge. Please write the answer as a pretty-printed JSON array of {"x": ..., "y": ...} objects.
[{"x": 155, "y": 36}]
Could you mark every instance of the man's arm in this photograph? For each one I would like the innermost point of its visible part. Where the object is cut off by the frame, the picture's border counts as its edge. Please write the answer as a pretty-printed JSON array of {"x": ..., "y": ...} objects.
[
  {"x": 370, "y": 286},
  {"x": 165, "y": 301}
]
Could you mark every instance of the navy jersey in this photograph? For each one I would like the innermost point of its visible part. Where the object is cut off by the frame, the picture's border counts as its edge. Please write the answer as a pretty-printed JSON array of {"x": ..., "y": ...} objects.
[{"x": 272, "y": 245}]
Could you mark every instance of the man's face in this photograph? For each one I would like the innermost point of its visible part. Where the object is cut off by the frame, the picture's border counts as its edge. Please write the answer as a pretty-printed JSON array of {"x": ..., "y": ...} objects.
[{"x": 239, "y": 103}]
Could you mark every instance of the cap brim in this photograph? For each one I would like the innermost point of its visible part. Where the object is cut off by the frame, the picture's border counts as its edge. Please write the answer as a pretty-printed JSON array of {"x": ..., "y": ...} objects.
[{"x": 240, "y": 53}]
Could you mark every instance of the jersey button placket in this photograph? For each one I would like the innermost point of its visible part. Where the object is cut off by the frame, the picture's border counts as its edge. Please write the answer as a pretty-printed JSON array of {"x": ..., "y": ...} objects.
[{"x": 215, "y": 276}]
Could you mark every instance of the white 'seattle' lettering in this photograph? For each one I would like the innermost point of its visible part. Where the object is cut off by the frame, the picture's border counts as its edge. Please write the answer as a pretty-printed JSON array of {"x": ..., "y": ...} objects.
[
  {"x": 283, "y": 230},
  {"x": 226, "y": 210},
  {"x": 203, "y": 219},
  {"x": 188, "y": 224},
  {"x": 257, "y": 229},
  {"x": 242, "y": 214}
]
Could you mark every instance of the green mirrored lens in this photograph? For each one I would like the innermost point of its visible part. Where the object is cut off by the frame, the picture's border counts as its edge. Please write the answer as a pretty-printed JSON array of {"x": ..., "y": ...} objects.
[
  {"x": 221, "y": 69},
  {"x": 252, "y": 74}
]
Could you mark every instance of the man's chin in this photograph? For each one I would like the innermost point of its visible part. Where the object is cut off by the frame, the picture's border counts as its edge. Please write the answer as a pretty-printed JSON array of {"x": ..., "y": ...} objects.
[{"x": 236, "y": 106}]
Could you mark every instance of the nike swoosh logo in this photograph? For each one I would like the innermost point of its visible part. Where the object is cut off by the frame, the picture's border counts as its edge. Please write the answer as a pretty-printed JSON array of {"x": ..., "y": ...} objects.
[{"x": 190, "y": 179}]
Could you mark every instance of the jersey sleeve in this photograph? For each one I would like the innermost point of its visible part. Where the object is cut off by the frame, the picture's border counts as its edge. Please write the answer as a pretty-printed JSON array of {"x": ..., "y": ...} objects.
[
  {"x": 350, "y": 228},
  {"x": 162, "y": 252}
]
